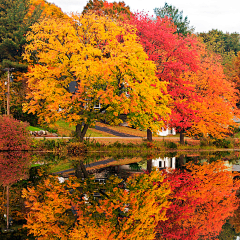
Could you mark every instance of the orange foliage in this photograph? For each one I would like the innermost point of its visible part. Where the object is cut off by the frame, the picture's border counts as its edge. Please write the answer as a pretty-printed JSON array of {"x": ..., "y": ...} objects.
[
  {"x": 216, "y": 110},
  {"x": 203, "y": 198},
  {"x": 131, "y": 213},
  {"x": 48, "y": 9},
  {"x": 108, "y": 66}
]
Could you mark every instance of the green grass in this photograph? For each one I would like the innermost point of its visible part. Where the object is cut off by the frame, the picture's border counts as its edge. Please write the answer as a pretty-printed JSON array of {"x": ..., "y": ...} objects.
[
  {"x": 61, "y": 167},
  {"x": 65, "y": 125},
  {"x": 31, "y": 128},
  {"x": 65, "y": 129},
  {"x": 237, "y": 135}
]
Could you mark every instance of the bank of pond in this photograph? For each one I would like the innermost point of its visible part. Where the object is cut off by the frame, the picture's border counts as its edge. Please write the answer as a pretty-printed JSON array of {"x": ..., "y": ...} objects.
[{"x": 128, "y": 195}]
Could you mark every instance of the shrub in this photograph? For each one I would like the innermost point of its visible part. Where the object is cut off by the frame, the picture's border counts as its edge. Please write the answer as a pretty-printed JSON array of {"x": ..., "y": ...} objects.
[
  {"x": 13, "y": 134},
  {"x": 204, "y": 142},
  {"x": 117, "y": 144},
  {"x": 171, "y": 145},
  {"x": 76, "y": 148},
  {"x": 223, "y": 143}
]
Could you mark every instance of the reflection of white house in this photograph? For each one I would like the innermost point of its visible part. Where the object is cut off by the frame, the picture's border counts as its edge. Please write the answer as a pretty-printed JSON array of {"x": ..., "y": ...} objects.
[
  {"x": 159, "y": 163},
  {"x": 234, "y": 166},
  {"x": 166, "y": 132},
  {"x": 166, "y": 162}
]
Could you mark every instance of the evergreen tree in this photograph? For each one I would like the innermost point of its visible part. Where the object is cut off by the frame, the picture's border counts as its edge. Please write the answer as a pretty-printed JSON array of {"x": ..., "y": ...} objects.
[
  {"x": 172, "y": 12},
  {"x": 15, "y": 20}
]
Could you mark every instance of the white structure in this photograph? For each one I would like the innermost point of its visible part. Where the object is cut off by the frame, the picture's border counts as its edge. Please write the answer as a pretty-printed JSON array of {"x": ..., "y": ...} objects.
[
  {"x": 166, "y": 162},
  {"x": 160, "y": 163},
  {"x": 166, "y": 132}
]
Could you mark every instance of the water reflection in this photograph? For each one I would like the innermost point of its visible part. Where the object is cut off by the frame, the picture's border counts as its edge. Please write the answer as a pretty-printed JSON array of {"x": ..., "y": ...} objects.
[
  {"x": 200, "y": 203},
  {"x": 14, "y": 166}
]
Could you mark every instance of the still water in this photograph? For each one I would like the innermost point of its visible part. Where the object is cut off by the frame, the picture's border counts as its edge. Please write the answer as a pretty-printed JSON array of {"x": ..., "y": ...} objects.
[{"x": 202, "y": 195}]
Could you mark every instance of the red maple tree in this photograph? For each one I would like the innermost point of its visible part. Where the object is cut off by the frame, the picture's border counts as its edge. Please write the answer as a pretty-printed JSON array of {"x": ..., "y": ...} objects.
[{"x": 173, "y": 54}]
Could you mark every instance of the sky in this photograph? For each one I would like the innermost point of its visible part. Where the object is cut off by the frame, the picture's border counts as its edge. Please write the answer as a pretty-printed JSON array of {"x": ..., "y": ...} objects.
[{"x": 204, "y": 15}]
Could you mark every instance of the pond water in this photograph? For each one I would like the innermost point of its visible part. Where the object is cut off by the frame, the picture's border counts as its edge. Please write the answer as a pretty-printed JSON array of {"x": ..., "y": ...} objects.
[{"x": 204, "y": 205}]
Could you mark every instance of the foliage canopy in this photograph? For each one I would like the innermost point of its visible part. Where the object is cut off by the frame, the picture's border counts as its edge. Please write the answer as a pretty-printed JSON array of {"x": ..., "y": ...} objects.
[{"x": 106, "y": 64}]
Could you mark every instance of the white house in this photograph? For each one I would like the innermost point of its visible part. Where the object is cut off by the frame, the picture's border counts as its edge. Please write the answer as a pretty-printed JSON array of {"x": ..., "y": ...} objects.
[{"x": 166, "y": 132}]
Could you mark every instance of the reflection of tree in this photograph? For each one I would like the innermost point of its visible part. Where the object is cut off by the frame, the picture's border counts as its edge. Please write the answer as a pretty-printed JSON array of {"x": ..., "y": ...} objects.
[
  {"x": 202, "y": 199},
  {"x": 106, "y": 211},
  {"x": 135, "y": 167},
  {"x": 228, "y": 232},
  {"x": 235, "y": 220},
  {"x": 14, "y": 166}
]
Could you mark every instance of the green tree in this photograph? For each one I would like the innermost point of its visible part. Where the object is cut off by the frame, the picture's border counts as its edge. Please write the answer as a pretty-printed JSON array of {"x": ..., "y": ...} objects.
[
  {"x": 15, "y": 21},
  {"x": 172, "y": 12},
  {"x": 221, "y": 43},
  {"x": 228, "y": 232}
]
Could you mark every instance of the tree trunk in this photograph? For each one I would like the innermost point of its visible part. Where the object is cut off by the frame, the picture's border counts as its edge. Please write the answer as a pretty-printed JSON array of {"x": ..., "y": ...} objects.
[
  {"x": 85, "y": 173},
  {"x": 181, "y": 161},
  {"x": 182, "y": 138},
  {"x": 78, "y": 172},
  {"x": 81, "y": 130},
  {"x": 149, "y": 165},
  {"x": 81, "y": 171},
  {"x": 149, "y": 135}
]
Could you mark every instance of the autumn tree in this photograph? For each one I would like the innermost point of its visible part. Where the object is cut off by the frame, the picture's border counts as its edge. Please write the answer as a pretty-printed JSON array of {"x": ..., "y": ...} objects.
[
  {"x": 227, "y": 46},
  {"x": 173, "y": 54},
  {"x": 235, "y": 76},
  {"x": 103, "y": 62},
  {"x": 47, "y": 9},
  {"x": 204, "y": 102},
  {"x": 117, "y": 10},
  {"x": 14, "y": 167},
  {"x": 72, "y": 210},
  {"x": 217, "y": 110},
  {"x": 176, "y": 17}
]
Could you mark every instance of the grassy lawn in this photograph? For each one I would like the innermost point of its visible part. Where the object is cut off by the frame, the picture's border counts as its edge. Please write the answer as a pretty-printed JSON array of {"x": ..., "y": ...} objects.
[
  {"x": 67, "y": 130},
  {"x": 31, "y": 128},
  {"x": 61, "y": 167}
]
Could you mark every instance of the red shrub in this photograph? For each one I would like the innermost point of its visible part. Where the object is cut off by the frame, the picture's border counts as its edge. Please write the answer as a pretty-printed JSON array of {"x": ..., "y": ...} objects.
[{"x": 13, "y": 134}]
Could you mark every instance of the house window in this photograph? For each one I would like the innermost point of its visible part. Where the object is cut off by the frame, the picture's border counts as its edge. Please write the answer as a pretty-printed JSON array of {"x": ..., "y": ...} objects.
[{"x": 97, "y": 105}]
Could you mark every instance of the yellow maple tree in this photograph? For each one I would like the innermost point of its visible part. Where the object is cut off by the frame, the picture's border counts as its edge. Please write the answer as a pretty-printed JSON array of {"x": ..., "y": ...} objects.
[{"x": 105, "y": 62}]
